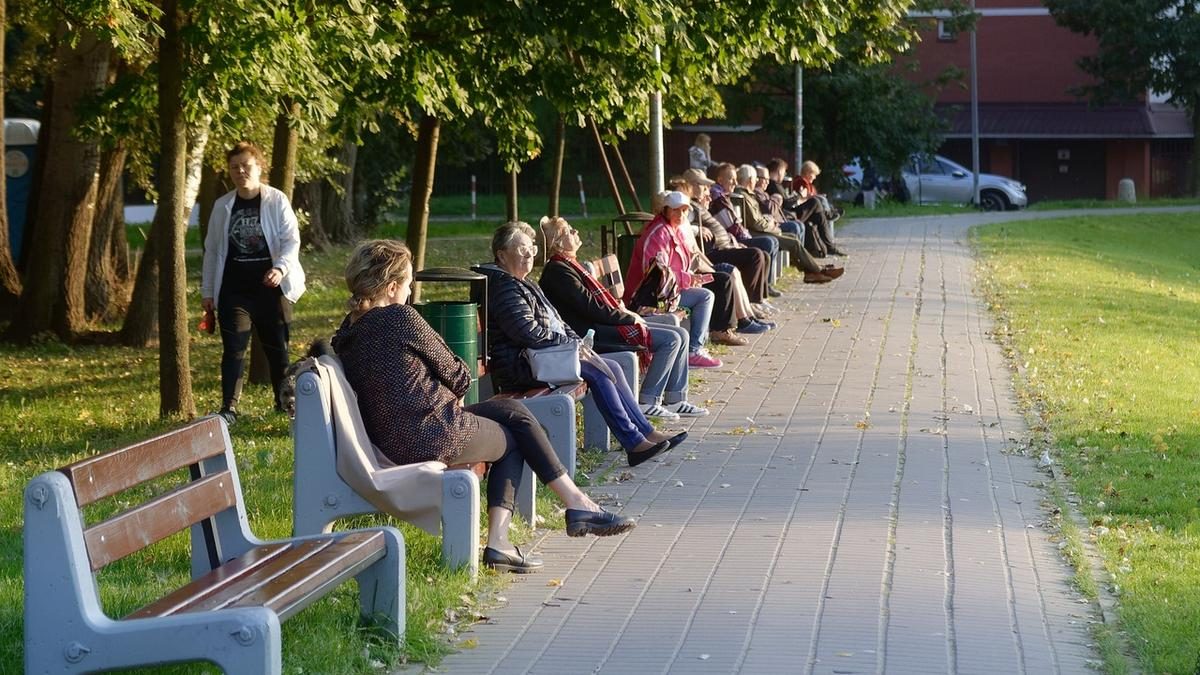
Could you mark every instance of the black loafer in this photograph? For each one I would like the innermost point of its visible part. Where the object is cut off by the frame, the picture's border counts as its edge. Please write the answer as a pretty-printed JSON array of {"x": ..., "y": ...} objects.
[
  {"x": 600, "y": 523},
  {"x": 636, "y": 458},
  {"x": 676, "y": 439},
  {"x": 517, "y": 564}
]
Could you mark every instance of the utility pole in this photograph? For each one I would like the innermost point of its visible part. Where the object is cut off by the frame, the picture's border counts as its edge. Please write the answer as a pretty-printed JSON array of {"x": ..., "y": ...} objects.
[
  {"x": 799, "y": 118},
  {"x": 974, "y": 111},
  {"x": 658, "y": 177}
]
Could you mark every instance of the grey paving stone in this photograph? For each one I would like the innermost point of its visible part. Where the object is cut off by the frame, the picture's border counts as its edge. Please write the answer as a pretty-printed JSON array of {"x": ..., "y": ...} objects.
[{"x": 848, "y": 507}]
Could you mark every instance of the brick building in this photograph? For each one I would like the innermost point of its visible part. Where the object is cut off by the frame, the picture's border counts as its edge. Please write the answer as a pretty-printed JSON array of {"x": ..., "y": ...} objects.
[{"x": 1032, "y": 128}]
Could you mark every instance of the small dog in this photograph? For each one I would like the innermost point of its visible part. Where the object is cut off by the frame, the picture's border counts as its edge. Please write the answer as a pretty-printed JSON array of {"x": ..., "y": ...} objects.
[{"x": 287, "y": 388}]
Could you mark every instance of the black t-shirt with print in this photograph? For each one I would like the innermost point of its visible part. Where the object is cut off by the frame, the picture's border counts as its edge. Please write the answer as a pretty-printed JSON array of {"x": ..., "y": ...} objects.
[{"x": 249, "y": 259}]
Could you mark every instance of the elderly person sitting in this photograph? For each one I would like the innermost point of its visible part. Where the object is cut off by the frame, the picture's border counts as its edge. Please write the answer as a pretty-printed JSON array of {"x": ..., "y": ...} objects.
[
  {"x": 756, "y": 221},
  {"x": 520, "y": 317},
  {"x": 585, "y": 304},
  {"x": 410, "y": 388}
]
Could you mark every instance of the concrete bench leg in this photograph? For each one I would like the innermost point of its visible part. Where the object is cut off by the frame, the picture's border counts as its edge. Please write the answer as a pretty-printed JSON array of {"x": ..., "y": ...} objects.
[
  {"x": 595, "y": 429},
  {"x": 556, "y": 414},
  {"x": 460, "y": 520},
  {"x": 381, "y": 593}
]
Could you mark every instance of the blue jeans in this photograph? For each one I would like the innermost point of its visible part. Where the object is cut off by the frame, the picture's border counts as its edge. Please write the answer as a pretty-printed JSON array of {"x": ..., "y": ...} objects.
[
  {"x": 667, "y": 377},
  {"x": 771, "y": 246},
  {"x": 616, "y": 403},
  {"x": 700, "y": 301},
  {"x": 794, "y": 228}
]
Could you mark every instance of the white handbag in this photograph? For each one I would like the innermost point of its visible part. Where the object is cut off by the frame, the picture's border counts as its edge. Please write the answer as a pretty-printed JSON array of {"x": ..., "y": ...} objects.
[{"x": 555, "y": 365}]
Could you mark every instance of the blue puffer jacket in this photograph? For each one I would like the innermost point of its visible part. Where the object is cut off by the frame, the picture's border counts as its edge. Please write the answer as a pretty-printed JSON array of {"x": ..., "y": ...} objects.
[{"x": 519, "y": 316}]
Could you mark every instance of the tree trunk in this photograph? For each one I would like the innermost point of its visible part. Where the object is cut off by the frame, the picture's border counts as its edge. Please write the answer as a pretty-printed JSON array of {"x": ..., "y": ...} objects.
[
  {"x": 211, "y": 186},
  {"x": 560, "y": 149},
  {"x": 612, "y": 181},
  {"x": 141, "y": 320},
  {"x": 104, "y": 291},
  {"x": 337, "y": 197},
  {"x": 174, "y": 371},
  {"x": 511, "y": 210},
  {"x": 197, "y": 143},
  {"x": 309, "y": 197},
  {"x": 53, "y": 297},
  {"x": 10, "y": 281},
  {"x": 637, "y": 203},
  {"x": 422, "y": 188},
  {"x": 284, "y": 147}
]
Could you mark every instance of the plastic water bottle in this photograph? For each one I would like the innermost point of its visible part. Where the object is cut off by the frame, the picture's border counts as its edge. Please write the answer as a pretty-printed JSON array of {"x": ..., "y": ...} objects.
[{"x": 590, "y": 338}]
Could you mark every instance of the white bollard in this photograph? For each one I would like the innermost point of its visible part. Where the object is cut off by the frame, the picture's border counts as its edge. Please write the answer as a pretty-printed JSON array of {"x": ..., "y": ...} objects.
[
  {"x": 472, "y": 196},
  {"x": 582, "y": 196},
  {"x": 1126, "y": 191},
  {"x": 869, "y": 199}
]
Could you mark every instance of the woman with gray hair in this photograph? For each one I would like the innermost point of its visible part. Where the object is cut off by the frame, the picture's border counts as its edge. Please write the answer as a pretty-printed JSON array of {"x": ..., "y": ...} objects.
[
  {"x": 585, "y": 304},
  {"x": 520, "y": 317},
  {"x": 410, "y": 388}
]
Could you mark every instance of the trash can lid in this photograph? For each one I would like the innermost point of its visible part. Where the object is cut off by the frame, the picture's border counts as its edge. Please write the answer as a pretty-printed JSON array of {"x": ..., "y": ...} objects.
[
  {"x": 21, "y": 131},
  {"x": 447, "y": 274}
]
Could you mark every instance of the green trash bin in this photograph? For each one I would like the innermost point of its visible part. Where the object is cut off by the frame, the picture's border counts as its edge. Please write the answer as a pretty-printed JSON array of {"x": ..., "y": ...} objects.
[{"x": 458, "y": 324}]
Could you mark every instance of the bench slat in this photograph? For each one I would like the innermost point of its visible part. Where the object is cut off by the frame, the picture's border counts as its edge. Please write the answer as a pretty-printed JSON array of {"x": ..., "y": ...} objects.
[
  {"x": 159, "y": 518},
  {"x": 307, "y": 581},
  {"x": 226, "y": 575},
  {"x": 105, "y": 475},
  {"x": 284, "y": 578},
  {"x": 576, "y": 391}
]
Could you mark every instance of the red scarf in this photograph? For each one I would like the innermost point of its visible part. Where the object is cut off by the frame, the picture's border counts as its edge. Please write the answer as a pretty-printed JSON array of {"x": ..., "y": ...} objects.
[{"x": 635, "y": 334}]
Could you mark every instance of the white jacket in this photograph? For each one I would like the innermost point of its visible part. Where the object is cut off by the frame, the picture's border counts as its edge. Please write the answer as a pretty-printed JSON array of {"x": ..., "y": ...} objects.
[{"x": 280, "y": 229}]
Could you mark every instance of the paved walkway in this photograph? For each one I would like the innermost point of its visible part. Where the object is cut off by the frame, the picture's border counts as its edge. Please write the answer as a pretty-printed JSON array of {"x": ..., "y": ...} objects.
[{"x": 850, "y": 507}]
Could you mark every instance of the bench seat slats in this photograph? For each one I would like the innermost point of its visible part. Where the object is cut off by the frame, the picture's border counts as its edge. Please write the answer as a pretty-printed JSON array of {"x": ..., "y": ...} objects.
[
  {"x": 576, "y": 391},
  {"x": 159, "y": 518},
  {"x": 282, "y": 577},
  {"x": 105, "y": 475}
]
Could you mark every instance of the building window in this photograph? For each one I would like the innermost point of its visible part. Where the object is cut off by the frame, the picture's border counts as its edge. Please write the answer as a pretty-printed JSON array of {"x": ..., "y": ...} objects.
[{"x": 945, "y": 34}]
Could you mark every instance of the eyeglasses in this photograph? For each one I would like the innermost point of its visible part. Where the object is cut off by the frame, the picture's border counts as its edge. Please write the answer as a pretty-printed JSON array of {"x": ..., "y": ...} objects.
[{"x": 523, "y": 251}]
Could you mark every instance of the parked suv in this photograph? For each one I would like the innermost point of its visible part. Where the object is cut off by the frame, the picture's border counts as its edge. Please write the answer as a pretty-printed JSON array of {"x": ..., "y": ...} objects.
[{"x": 932, "y": 178}]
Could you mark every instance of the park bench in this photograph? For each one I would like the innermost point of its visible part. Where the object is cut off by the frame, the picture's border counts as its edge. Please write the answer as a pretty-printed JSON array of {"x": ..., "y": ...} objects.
[
  {"x": 332, "y": 451},
  {"x": 241, "y": 588}
]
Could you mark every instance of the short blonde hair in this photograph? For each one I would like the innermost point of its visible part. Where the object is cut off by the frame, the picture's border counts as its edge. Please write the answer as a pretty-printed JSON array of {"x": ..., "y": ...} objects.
[
  {"x": 552, "y": 228},
  {"x": 373, "y": 265},
  {"x": 810, "y": 167}
]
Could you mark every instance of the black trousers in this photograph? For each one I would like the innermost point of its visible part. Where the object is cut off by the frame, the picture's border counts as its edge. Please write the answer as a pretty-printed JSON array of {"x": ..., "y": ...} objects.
[
  {"x": 722, "y": 313},
  {"x": 754, "y": 265},
  {"x": 269, "y": 314},
  {"x": 820, "y": 232},
  {"x": 509, "y": 437}
]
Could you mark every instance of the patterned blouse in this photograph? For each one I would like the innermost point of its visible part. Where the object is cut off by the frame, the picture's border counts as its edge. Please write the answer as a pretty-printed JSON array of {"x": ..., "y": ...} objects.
[{"x": 408, "y": 384}]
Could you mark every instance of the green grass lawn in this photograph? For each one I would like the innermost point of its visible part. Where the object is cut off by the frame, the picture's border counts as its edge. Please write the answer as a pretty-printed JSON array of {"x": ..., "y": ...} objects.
[
  {"x": 60, "y": 403},
  {"x": 1102, "y": 314}
]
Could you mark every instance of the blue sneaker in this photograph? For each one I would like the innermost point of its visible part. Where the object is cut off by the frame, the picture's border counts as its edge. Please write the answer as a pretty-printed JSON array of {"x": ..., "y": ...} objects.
[{"x": 751, "y": 327}]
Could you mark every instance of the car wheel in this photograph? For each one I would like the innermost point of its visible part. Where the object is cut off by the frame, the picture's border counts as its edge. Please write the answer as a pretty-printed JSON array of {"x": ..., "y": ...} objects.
[{"x": 991, "y": 200}]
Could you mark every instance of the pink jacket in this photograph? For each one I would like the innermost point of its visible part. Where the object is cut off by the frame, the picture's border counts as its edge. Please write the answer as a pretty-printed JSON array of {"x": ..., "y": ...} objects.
[{"x": 669, "y": 245}]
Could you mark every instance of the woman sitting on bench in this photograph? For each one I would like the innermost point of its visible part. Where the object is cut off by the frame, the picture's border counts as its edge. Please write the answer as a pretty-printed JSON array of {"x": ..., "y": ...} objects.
[
  {"x": 586, "y": 304},
  {"x": 410, "y": 387},
  {"x": 520, "y": 317}
]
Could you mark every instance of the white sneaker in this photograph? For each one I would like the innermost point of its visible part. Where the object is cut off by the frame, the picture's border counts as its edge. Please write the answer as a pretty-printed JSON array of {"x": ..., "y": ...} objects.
[
  {"x": 656, "y": 410},
  {"x": 685, "y": 409}
]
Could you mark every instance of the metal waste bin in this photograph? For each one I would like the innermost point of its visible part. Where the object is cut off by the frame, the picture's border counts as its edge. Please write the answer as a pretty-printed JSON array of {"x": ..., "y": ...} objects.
[{"x": 461, "y": 323}]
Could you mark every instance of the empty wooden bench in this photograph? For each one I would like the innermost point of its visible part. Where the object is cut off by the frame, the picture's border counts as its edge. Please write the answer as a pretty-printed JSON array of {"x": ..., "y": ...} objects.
[
  {"x": 241, "y": 588},
  {"x": 339, "y": 473}
]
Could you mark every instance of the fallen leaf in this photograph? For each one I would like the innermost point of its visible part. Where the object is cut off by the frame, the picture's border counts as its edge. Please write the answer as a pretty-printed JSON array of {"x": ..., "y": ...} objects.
[{"x": 554, "y": 582}]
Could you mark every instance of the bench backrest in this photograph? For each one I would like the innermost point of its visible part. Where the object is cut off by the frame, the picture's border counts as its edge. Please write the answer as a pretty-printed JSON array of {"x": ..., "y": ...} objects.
[
  {"x": 209, "y": 492},
  {"x": 607, "y": 270},
  {"x": 412, "y": 492}
]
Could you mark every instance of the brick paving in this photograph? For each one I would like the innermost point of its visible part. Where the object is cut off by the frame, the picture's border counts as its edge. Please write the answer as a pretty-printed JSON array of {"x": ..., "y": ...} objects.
[{"x": 849, "y": 507}]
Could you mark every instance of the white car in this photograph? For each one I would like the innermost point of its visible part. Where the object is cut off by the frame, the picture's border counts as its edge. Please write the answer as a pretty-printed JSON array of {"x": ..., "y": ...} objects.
[{"x": 932, "y": 178}]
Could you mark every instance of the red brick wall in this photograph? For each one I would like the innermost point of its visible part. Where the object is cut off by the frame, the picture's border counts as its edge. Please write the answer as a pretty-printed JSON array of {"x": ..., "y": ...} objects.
[{"x": 1021, "y": 59}]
